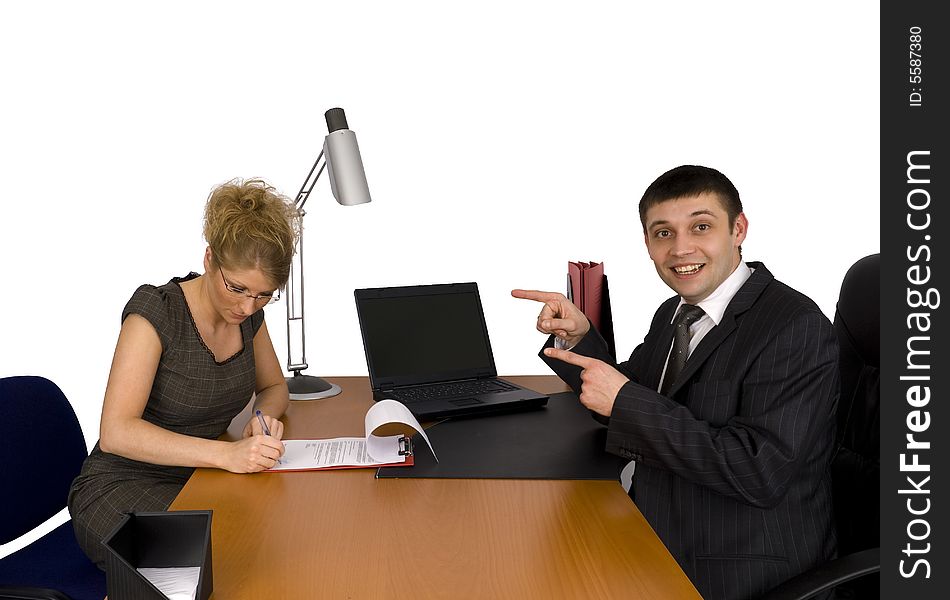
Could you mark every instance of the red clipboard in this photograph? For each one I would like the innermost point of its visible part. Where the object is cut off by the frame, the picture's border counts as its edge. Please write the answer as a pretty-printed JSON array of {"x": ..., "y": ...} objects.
[{"x": 405, "y": 444}]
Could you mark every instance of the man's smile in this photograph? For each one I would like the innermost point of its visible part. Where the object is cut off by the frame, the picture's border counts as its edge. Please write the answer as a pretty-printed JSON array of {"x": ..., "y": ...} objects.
[{"x": 688, "y": 269}]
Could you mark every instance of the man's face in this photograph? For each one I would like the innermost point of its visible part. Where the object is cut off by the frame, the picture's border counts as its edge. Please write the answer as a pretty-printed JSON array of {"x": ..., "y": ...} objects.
[{"x": 691, "y": 244}]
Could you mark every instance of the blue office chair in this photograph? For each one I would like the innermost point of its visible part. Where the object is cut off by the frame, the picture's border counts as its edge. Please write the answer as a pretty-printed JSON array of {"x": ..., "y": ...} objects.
[
  {"x": 43, "y": 450},
  {"x": 856, "y": 466}
]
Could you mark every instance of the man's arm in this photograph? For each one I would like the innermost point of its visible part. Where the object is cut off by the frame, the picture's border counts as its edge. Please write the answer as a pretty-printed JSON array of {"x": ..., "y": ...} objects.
[
  {"x": 787, "y": 397},
  {"x": 594, "y": 346}
]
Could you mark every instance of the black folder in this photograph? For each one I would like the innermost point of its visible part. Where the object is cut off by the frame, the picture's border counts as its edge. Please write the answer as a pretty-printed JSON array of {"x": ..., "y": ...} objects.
[
  {"x": 559, "y": 441},
  {"x": 157, "y": 539}
]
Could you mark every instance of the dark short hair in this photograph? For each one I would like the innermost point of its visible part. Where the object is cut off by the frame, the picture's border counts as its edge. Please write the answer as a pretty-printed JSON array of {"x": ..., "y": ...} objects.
[{"x": 687, "y": 181}]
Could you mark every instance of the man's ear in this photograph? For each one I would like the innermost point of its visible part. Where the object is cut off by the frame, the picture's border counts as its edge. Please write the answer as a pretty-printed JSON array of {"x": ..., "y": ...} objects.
[{"x": 740, "y": 229}]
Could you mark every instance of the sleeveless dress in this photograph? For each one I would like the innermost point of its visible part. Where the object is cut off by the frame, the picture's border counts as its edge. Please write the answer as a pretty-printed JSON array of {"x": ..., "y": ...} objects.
[{"x": 192, "y": 394}]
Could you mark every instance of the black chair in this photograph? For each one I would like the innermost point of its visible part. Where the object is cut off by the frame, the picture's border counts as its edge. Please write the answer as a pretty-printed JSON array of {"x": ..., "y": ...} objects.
[
  {"x": 43, "y": 450},
  {"x": 855, "y": 468}
]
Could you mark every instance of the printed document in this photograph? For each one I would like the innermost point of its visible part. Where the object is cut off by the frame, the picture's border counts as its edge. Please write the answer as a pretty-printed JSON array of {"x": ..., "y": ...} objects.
[{"x": 369, "y": 451}]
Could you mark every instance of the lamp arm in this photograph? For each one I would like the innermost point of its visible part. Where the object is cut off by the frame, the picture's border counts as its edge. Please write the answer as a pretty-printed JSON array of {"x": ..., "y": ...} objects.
[
  {"x": 295, "y": 286},
  {"x": 309, "y": 182}
]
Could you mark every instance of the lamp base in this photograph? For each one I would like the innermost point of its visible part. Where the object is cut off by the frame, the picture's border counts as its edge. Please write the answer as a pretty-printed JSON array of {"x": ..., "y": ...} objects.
[{"x": 308, "y": 387}]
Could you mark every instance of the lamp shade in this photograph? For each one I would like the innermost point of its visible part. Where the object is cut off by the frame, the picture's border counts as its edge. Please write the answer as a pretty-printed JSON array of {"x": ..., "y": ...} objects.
[{"x": 347, "y": 177}]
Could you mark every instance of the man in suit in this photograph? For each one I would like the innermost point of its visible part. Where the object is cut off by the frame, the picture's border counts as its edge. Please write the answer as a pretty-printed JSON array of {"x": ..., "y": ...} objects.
[{"x": 731, "y": 449}]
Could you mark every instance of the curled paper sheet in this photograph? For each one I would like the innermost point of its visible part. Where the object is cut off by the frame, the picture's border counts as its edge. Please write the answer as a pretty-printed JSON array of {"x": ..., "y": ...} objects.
[{"x": 387, "y": 412}]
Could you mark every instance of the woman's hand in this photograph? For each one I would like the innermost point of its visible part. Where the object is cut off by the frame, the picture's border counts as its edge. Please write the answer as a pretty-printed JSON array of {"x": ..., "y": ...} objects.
[
  {"x": 252, "y": 454},
  {"x": 274, "y": 426}
]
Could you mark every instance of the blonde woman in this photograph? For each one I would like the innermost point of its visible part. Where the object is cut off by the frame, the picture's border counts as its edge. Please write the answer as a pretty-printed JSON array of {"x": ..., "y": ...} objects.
[{"x": 190, "y": 355}]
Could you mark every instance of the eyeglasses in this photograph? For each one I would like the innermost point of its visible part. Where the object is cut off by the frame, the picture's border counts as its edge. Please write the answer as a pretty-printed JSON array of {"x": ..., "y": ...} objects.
[{"x": 242, "y": 293}]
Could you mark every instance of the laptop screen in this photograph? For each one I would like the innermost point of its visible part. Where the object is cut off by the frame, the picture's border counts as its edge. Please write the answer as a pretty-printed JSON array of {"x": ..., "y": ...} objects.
[{"x": 420, "y": 334}]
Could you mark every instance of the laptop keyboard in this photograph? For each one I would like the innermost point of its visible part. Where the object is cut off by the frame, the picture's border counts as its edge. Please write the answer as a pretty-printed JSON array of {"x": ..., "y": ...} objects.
[{"x": 452, "y": 390}]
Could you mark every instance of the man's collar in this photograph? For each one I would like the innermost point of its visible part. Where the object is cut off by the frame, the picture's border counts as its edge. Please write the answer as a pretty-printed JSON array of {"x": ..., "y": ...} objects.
[{"x": 715, "y": 304}]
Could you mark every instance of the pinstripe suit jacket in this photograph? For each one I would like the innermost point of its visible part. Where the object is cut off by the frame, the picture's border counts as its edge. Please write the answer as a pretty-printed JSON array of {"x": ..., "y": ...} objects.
[{"x": 732, "y": 467}]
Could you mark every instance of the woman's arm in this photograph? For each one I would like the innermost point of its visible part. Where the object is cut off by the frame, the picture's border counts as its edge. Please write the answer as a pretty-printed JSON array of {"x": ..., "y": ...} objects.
[
  {"x": 272, "y": 397},
  {"x": 122, "y": 430}
]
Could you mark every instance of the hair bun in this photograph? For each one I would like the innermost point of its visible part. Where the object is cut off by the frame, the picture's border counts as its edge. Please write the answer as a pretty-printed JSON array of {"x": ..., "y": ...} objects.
[
  {"x": 248, "y": 224},
  {"x": 249, "y": 202}
]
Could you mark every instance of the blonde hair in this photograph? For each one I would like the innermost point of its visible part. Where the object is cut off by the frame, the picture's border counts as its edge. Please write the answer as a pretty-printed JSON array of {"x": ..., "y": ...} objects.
[{"x": 249, "y": 225}]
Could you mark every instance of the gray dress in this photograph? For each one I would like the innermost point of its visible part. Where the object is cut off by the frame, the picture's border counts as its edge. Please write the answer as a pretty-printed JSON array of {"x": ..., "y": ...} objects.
[{"x": 192, "y": 394}]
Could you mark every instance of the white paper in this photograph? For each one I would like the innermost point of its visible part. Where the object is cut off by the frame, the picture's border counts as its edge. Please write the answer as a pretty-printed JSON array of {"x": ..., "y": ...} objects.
[
  {"x": 177, "y": 583},
  {"x": 390, "y": 411},
  {"x": 337, "y": 452},
  {"x": 370, "y": 451}
]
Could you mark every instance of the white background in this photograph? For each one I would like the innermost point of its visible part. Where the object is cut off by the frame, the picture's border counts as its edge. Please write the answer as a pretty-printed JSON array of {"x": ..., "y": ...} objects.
[{"x": 500, "y": 141}]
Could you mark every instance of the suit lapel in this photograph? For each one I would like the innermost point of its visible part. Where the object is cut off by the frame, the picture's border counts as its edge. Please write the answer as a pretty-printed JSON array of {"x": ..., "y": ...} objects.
[
  {"x": 741, "y": 302},
  {"x": 659, "y": 349}
]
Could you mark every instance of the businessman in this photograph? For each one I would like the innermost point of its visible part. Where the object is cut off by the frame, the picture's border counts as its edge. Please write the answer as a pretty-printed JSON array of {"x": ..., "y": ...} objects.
[{"x": 727, "y": 407}]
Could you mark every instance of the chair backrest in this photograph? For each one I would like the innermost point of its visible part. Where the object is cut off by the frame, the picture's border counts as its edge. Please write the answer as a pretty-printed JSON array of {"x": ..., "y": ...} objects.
[
  {"x": 43, "y": 449},
  {"x": 856, "y": 466}
]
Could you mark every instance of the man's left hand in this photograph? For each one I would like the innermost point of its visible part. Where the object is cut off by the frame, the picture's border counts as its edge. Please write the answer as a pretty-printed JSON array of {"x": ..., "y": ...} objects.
[{"x": 600, "y": 382}]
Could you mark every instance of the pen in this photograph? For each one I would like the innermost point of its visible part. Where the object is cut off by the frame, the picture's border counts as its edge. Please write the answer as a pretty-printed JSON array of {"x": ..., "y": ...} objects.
[
  {"x": 559, "y": 342},
  {"x": 260, "y": 417}
]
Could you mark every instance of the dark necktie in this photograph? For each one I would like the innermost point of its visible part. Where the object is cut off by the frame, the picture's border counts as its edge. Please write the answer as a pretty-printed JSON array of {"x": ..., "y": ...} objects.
[{"x": 687, "y": 315}]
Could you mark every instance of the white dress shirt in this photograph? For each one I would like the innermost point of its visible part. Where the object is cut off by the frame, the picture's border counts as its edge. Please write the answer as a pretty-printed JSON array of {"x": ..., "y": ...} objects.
[{"x": 714, "y": 306}]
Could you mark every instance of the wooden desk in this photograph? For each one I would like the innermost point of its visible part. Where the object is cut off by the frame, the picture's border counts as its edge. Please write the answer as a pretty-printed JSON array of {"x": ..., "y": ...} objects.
[{"x": 345, "y": 534}]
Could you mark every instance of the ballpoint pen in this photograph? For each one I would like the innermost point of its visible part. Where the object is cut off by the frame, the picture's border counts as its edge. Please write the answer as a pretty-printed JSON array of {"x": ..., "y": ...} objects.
[
  {"x": 559, "y": 342},
  {"x": 260, "y": 417}
]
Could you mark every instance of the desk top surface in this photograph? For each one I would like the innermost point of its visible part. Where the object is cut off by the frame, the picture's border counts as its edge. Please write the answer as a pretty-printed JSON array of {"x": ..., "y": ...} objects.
[{"x": 346, "y": 534}]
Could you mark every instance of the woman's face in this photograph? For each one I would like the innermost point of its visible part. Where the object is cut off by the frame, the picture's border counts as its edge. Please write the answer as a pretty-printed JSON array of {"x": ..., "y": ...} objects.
[
  {"x": 237, "y": 294},
  {"x": 243, "y": 293}
]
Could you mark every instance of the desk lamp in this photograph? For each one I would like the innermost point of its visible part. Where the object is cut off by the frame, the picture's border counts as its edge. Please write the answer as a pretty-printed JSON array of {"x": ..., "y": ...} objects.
[{"x": 341, "y": 156}]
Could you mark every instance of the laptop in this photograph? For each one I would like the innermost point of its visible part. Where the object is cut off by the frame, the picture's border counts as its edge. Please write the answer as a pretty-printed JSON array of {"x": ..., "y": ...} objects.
[{"x": 427, "y": 347}]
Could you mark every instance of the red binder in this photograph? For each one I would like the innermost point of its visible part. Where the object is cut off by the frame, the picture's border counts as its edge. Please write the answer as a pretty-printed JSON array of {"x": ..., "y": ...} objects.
[{"x": 587, "y": 289}]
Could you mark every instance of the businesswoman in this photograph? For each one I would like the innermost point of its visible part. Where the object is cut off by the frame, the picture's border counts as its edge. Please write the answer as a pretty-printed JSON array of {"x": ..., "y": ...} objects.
[{"x": 191, "y": 353}]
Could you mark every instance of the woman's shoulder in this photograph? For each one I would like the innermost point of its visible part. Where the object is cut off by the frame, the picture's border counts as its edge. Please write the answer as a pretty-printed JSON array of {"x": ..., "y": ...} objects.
[
  {"x": 161, "y": 305},
  {"x": 150, "y": 295}
]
